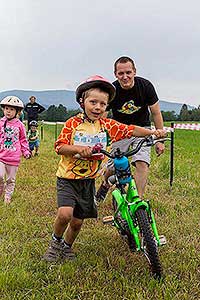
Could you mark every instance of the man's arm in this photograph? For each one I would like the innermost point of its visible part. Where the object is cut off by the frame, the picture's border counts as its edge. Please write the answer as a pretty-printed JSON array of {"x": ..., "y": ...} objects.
[
  {"x": 40, "y": 108},
  {"x": 158, "y": 122},
  {"x": 157, "y": 116}
]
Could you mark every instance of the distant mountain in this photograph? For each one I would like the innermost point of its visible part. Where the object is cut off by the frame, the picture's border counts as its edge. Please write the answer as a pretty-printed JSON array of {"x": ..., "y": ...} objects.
[
  {"x": 67, "y": 98},
  {"x": 46, "y": 98}
]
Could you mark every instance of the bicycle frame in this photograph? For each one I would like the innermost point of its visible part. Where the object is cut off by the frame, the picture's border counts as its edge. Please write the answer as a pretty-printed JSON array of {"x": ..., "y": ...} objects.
[
  {"x": 127, "y": 204},
  {"x": 126, "y": 195}
]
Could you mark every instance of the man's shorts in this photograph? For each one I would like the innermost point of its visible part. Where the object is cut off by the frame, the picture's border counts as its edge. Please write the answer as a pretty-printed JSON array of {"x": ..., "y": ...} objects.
[
  {"x": 78, "y": 194},
  {"x": 126, "y": 144},
  {"x": 34, "y": 145}
]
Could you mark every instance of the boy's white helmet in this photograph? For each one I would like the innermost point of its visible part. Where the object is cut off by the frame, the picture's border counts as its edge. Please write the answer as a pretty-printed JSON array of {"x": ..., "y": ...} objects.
[
  {"x": 33, "y": 123},
  {"x": 12, "y": 101}
]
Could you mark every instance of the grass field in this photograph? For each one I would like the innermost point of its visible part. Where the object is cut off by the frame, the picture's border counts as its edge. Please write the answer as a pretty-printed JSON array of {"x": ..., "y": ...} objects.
[{"x": 104, "y": 268}]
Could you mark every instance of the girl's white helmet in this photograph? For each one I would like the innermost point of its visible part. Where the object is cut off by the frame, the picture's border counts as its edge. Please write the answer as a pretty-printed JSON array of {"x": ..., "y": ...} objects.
[{"x": 12, "y": 101}]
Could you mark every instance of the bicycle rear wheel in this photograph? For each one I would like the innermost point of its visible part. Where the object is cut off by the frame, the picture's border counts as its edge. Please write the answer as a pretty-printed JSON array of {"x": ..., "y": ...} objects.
[
  {"x": 124, "y": 229},
  {"x": 148, "y": 243}
]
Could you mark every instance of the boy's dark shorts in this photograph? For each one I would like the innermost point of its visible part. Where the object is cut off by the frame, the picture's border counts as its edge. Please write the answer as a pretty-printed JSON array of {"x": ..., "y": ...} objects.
[{"x": 78, "y": 194}]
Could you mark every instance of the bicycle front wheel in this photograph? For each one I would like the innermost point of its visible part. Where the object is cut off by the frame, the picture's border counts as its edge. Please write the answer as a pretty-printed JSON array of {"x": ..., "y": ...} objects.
[{"x": 148, "y": 243}]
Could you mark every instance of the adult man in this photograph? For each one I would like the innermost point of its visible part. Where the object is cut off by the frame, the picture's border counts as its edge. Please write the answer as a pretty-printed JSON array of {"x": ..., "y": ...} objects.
[
  {"x": 135, "y": 99},
  {"x": 33, "y": 109}
]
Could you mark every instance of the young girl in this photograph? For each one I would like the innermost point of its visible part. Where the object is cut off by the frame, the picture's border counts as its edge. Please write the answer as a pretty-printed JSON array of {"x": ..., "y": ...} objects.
[{"x": 13, "y": 142}]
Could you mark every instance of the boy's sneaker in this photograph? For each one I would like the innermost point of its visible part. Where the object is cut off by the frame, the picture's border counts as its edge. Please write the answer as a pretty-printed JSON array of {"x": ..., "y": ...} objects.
[
  {"x": 54, "y": 252},
  {"x": 58, "y": 251},
  {"x": 67, "y": 253},
  {"x": 102, "y": 192}
]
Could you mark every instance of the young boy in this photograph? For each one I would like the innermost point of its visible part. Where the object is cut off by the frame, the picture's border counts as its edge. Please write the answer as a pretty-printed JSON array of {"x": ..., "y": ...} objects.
[
  {"x": 33, "y": 137},
  {"x": 76, "y": 176}
]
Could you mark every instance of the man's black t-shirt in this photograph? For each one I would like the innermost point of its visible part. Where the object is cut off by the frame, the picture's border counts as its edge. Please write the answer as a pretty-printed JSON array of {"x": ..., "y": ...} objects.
[
  {"x": 33, "y": 109},
  {"x": 131, "y": 106}
]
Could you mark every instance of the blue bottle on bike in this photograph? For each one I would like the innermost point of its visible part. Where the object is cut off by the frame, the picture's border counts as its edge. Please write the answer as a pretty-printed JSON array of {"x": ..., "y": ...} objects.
[{"x": 122, "y": 169}]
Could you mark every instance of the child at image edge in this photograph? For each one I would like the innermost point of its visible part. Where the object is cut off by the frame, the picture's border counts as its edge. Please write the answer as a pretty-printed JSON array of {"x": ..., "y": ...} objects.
[
  {"x": 33, "y": 137},
  {"x": 76, "y": 176},
  {"x": 13, "y": 142}
]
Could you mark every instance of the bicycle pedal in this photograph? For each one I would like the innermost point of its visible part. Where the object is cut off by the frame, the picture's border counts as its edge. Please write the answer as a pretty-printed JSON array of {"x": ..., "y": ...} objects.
[
  {"x": 108, "y": 220},
  {"x": 163, "y": 240}
]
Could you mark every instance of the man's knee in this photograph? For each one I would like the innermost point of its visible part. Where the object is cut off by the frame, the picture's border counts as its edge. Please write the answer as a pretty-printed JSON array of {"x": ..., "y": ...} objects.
[{"x": 142, "y": 166}]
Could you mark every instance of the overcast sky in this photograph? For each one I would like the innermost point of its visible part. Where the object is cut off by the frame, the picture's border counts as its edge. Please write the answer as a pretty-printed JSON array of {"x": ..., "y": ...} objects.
[{"x": 48, "y": 44}]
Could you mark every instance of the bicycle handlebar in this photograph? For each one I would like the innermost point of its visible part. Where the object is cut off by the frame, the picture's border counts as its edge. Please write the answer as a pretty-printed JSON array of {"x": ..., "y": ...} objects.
[{"x": 150, "y": 141}]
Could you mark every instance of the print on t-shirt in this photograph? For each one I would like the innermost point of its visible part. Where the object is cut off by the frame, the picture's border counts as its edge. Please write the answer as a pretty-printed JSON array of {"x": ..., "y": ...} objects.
[
  {"x": 86, "y": 139},
  {"x": 129, "y": 107}
]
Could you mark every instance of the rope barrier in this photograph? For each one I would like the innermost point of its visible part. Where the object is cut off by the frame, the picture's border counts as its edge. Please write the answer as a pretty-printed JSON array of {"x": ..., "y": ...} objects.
[
  {"x": 193, "y": 126},
  {"x": 186, "y": 126}
]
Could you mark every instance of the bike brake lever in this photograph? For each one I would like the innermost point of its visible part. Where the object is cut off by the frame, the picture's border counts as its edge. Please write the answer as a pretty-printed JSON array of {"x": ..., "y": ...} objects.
[
  {"x": 160, "y": 140},
  {"x": 152, "y": 140},
  {"x": 97, "y": 148}
]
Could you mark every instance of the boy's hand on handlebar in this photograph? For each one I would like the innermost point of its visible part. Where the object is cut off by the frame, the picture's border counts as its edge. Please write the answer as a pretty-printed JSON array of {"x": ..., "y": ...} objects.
[
  {"x": 85, "y": 151},
  {"x": 90, "y": 153}
]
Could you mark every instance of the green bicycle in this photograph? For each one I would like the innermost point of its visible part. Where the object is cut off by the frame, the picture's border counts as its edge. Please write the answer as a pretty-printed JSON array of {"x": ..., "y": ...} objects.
[{"x": 132, "y": 216}]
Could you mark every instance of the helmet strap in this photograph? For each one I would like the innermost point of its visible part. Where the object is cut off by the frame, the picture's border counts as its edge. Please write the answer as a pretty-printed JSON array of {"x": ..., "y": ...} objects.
[
  {"x": 4, "y": 125},
  {"x": 81, "y": 102},
  {"x": 88, "y": 119}
]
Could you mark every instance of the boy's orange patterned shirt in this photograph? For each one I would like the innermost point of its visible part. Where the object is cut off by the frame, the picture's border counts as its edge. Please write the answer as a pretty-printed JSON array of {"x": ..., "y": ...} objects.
[{"x": 78, "y": 130}]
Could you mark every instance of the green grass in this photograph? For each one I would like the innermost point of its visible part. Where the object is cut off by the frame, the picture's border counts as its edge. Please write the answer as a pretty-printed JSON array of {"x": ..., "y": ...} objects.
[{"x": 104, "y": 268}]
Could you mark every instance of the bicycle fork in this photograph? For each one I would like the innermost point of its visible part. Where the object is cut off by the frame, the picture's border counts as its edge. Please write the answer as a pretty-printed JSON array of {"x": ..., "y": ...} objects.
[{"x": 128, "y": 210}]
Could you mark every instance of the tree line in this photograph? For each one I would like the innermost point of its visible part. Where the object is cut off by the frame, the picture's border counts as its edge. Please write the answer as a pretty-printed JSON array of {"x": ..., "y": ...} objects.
[
  {"x": 60, "y": 114},
  {"x": 57, "y": 113}
]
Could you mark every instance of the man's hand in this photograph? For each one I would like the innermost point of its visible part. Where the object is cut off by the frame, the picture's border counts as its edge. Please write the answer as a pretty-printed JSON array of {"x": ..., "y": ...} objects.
[
  {"x": 160, "y": 133},
  {"x": 160, "y": 148}
]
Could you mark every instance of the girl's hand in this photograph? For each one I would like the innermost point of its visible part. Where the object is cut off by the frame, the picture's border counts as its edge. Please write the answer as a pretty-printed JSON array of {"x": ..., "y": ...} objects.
[
  {"x": 33, "y": 138},
  {"x": 27, "y": 156}
]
